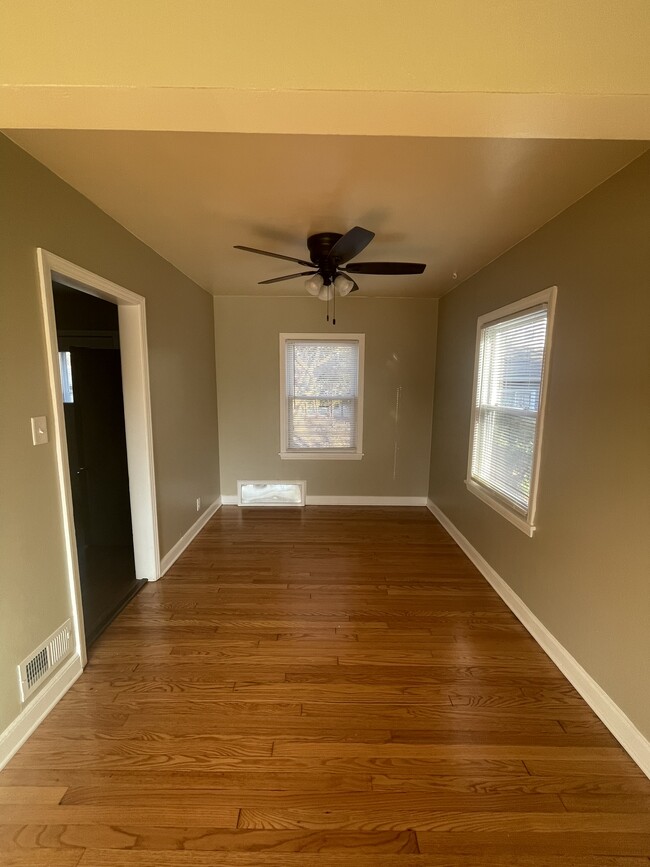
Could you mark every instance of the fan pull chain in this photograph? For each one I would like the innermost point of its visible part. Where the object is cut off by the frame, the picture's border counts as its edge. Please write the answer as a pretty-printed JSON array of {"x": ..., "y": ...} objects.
[{"x": 333, "y": 304}]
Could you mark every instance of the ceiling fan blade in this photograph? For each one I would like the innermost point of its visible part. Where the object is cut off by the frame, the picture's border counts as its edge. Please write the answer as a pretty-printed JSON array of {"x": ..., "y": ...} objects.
[
  {"x": 274, "y": 255},
  {"x": 288, "y": 277},
  {"x": 385, "y": 268},
  {"x": 355, "y": 288},
  {"x": 351, "y": 244}
]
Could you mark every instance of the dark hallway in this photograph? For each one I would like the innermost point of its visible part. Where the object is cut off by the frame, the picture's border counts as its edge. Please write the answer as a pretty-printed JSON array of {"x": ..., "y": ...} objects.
[{"x": 91, "y": 379}]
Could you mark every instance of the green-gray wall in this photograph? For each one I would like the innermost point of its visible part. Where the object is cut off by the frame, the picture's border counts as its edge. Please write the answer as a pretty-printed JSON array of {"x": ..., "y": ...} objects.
[
  {"x": 586, "y": 572},
  {"x": 400, "y": 350},
  {"x": 39, "y": 210}
]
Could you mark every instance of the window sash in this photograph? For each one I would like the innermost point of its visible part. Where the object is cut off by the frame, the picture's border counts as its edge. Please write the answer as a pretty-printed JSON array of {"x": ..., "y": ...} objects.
[
  {"x": 512, "y": 350},
  {"x": 321, "y": 407},
  {"x": 336, "y": 426},
  {"x": 500, "y": 464}
]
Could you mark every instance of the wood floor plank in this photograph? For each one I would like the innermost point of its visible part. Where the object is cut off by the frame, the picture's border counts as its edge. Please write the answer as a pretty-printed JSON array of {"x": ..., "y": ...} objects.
[
  {"x": 226, "y": 782},
  {"x": 43, "y": 858},
  {"x": 580, "y": 765},
  {"x": 317, "y": 687},
  {"x": 174, "y": 816},
  {"x": 120, "y": 686},
  {"x": 211, "y": 764},
  {"x": 547, "y": 844},
  {"x": 214, "y": 745},
  {"x": 416, "y": 732},
  {"x": 562, "y": 785},
  {"x": 447, "y": 800},
  {"x": 31, "y": 794},
  {"x": 440, "y": 680},
  {"x": 434, "y": 751},
  {"x": 280, "y": 845},
  {"x": 461, "y": 822},
  {"x": 221, "y": 711},
  {"x": 109, "y": 858},
  {"x": 611, "y": 802}
]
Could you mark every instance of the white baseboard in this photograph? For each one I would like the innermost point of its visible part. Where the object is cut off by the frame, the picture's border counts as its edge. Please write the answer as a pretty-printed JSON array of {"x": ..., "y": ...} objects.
[
  {"x": 335, "y": 500},
  {"x": 620, "y": 725},
  {"x": 174, "y": 553},
  {"x": 365, "y": 501},
  {"x": 31, "y": 716}
]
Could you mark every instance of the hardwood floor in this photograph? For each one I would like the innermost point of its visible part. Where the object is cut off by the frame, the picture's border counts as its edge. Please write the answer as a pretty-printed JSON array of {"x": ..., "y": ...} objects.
[{"x": 322, "y": 687}]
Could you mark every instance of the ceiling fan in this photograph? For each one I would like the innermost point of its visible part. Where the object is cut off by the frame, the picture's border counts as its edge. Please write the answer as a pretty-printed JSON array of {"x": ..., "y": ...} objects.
[{"x": 329, "y": 252}]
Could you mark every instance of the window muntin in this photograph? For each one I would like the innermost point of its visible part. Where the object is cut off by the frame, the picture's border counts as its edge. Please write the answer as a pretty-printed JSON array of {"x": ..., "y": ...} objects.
[
  {"x": 321, "y": 395},
  {"x": 511, "y": 359}
]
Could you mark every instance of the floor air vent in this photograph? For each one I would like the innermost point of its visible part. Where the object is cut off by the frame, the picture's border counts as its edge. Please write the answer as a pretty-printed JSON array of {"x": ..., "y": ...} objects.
[{"x": 45, "y": 659}]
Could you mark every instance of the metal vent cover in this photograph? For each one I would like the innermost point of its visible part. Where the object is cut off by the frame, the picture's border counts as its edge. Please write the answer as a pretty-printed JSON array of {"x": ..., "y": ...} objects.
[{"x": 45, "y": 659}]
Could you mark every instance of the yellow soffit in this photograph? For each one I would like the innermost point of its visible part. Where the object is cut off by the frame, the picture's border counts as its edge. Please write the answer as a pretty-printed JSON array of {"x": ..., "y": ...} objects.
[
  {"x": 493, "y": 115},
  {"x": 471, "y": 68}
]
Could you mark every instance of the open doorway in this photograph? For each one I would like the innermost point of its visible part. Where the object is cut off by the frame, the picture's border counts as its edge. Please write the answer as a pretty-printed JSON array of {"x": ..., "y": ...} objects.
[
  {"x": 88, "y": 341},
  {"x": 97, "y": 358}
]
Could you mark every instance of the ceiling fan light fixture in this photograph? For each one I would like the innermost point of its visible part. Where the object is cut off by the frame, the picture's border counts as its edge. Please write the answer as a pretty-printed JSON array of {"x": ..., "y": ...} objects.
[
  {"x": 331, "y": 275},
  {"x": 343, "y": 285},
  {"x": 314, "y": 284}
]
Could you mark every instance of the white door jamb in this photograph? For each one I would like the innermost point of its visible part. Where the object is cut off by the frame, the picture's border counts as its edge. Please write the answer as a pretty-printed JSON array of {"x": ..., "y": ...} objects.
[{"x": 137, "y": 416}]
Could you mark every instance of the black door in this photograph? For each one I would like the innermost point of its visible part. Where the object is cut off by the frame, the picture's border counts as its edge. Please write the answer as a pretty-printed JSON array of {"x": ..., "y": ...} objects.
[{"x": 100, "y": 485}]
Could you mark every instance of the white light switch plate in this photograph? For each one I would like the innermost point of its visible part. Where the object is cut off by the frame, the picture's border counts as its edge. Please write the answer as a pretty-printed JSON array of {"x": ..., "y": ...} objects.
[{"x": 39, "y": 430}]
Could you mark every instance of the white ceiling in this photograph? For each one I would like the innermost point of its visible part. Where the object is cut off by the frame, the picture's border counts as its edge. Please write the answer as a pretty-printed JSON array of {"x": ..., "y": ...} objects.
[{"x": 453, "y": 203}]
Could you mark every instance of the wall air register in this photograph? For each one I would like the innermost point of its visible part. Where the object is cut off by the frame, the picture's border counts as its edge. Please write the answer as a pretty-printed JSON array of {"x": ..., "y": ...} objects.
[
  {"x": 271, "y": 493},
  {"x": 43, "y": 661}
]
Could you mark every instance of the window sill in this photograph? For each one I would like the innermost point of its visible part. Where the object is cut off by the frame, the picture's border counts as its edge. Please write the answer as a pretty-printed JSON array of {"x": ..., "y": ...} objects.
[
  {"x": 518, "y": 520},
  {"x": 321, "y": 456}
]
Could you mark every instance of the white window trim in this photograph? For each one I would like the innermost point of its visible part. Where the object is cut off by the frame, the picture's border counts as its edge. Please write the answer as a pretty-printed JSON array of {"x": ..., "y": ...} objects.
[
  {"x": 320, "y": 454},
  {"x": 524, "y": 522}
]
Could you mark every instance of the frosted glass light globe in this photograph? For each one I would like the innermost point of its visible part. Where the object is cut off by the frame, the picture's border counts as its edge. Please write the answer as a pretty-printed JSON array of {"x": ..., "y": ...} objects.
[
  {"x": 326, "y": 293},
  {"x": 343, "y": 285},
  {"x": 314, "y": 284}
]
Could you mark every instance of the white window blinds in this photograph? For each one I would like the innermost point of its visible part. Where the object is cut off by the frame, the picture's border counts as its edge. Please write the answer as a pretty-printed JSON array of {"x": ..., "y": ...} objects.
[
  {"x": 509, "y": 387},
  {"x": 322, "y": 395}
]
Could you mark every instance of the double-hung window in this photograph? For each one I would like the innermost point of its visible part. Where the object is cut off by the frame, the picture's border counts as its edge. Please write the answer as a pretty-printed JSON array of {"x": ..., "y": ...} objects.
[
  {"x": 510, "y": 374},
  {"x": 321, "y": 386}
]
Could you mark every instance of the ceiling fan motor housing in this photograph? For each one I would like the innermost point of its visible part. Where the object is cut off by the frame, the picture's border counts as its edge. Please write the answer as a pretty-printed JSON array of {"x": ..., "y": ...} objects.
[{"x": 319, "y": 246}]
